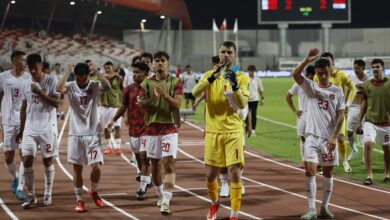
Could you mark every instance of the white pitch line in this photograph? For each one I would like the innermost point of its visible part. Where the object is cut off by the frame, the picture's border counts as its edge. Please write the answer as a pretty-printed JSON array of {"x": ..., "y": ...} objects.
[
  {"x": 112, "y": 194},
  {"x": 196, "y": 195},
  {"x": 300, "y": 170},
  {"x": 8, "y": 211},
  {"x": 59, "y": 163},
  {"x": 294, "y": 127},
  {"x": 279, "y": 189},
  {"x": 204, "y": 188}
]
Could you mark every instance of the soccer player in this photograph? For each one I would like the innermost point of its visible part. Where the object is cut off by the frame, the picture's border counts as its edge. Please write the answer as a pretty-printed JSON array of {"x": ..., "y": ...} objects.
[
  {"x": 353, "y": 112},
  {"x": 224, "y": 132},
  {"x": 325, "y": 116},
  {"x": 341, "y": 79},
  {"x": 11, "y": 84},
  {"x": 93, "y": 72},
  {"x": 84, "y": 132},
  {"x": 302, "y": 108},
  {"x": 136, "y": 123},
  {"x": 256, "y": 95},
  {"x": 162, "y": 95},
  {"x": 110, "y": 102},
  {"x": 375, "y": 108},
  {"x": 129, "y": 75},
  {"x": 188, "y": 79},
  {"x": 38, "y": 126}
]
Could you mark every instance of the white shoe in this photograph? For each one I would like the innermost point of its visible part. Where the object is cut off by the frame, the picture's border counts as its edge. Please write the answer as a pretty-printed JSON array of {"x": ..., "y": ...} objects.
[
  {"x": 352, "y": 155},
  {"x": 309, "y": 215},
  {"x": 253, "y": 133},
  {"x": 160, "y": 200},
  {"x": 347, "y": 167},
  {"x": 164, "y": 210},
  {"x": 47, "y": 200},
  {"x": 225, "y": 190}
]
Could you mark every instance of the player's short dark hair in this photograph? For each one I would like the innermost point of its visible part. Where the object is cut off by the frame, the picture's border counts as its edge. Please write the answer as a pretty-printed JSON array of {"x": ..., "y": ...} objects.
[
  {"x": 108, "y": 63},
  {"x": 81, "y": 69},
  {"x": 251, "y": 68},
  {"x": 328, "y": 54},
  {"x": 17, "y": 54},
  {"x": 87, "y": 61},
  {"x": 135, "y": 58},
  {"x": 147, "y": 55},
  {"x": 228, "y": 44},
  {"x": 215, "y": 59},
  {"x": 322, "y": 63},
  {"x": 380, "y": 61},
  {"x": 161, "y": 54},
  {"x": 46, "y": 65},
  {"x": 57, "y": 64},
  {"x": 360, "y": 63},
  {"x": 142, "y": 66},
  {"x": 188, "y": 66},
  {"x": 33, "y": 59},
  {"x": 310, "y": 70}
]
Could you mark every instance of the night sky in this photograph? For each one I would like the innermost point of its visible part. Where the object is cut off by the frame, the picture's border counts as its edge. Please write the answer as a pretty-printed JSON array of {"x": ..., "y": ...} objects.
[{"x": 364, "y": 15}]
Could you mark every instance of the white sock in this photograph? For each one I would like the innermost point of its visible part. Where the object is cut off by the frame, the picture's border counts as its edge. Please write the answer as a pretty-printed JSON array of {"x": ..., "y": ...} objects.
[
  {"x": 351, "y": 141},
  {"x": 327, "y": 188},
  {"x": 311, "y": 187},
  {"x": 224, "y": 178},
  {"x": 29, "y": 178},
  {"x": 11, "y": 168},
  {"x": 94, "y": 186},
  {"x": 112, "y": 142},
  {"x": 49, "y": 179},
  {"x": 233, "y": 214},
  {"x": 144, "y": 181},
  {"x": 167, "y": 196},
  {"x": 302, "y": 146},
  {"x": 78, "y": 192},
  {"x": 159, "y": 189},
  {"x": 21, "y": 177},
  {"x": 118, "y": 143}
]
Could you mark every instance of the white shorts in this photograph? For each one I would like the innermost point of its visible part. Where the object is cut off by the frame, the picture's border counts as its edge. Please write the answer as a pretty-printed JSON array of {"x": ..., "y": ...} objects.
[
  {"x": 316, "y": 151},
  {"x": 47, "y": 141},
  {"x": 370, "y": 131},
  {"x": 137, "y": 144},
  {"x": 9, "y": 138},
  {"x": 161, "y": 146},
  {"x": 107, "y": 114},
  {"x": 301, "y": 124},
  {"x": 352, "y": 118},
  {"x": 84, "y": 150}
]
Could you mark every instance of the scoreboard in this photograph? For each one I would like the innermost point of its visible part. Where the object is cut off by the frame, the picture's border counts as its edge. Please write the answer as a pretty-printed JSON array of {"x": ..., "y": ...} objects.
[{"x": 304, "y": 11}]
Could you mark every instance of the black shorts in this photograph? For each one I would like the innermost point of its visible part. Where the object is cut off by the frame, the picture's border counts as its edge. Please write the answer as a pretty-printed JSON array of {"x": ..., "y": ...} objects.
[
  {"x": 62, "y": 96},
  {"x": 188, "y": 95}
]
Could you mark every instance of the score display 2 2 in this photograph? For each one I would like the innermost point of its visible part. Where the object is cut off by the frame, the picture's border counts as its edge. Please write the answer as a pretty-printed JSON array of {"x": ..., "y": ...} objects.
[{"x": 304, "y": 11}]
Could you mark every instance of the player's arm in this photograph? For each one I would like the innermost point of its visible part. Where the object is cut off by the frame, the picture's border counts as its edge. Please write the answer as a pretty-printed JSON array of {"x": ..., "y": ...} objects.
[
  {"x": 23, "y": 115},
  {"x": 195, "y": 105},
  {"x": 119, "y": 113},
  {"x": 51, "y": 100},
  {"x": 61, "y": 85},
  {"x": 291, "y": 103},
  {"x": 363, "y": 110},
  {"x": 261, "y": 91},
  {"x": 206, "y": 81},
  {"x": 174, "y": 101},
  {"x": 143, "y": 99},
  {"x": 311, "y": 56},
  {"x": 248, "y": 124},
  {"x": 351, "y": 93},
  {"x": 240, "y": 92},
  {"x": 105, "y": 84},
  {"x": 336, "y": 129}
]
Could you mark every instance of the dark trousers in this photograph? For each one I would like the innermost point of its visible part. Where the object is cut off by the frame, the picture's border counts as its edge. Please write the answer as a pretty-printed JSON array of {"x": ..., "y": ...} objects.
[{"x": 252, "y": 105}]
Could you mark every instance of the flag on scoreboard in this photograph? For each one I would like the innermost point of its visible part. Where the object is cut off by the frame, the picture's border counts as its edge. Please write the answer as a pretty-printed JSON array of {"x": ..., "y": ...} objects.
[
  {"x": 339, "y": 4},
  {"x": 269, "y": 4}
]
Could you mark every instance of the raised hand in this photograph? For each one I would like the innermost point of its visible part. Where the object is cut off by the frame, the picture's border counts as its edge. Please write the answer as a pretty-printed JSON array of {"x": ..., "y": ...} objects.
[{"x": 312, "y": 54}]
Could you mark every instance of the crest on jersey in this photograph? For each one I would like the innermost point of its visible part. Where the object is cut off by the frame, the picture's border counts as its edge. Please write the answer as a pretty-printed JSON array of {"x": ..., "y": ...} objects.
[{"x": 332, "y": 96}]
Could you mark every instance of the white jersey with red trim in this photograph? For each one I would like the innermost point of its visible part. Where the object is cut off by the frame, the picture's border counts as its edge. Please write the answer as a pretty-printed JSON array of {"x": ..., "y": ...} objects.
[
  {"x": 12, "y": 87},
  {"x": 322, "y": 107},
  {"x": 39, "y": 118},
  {"x": 84, "y": 117}
]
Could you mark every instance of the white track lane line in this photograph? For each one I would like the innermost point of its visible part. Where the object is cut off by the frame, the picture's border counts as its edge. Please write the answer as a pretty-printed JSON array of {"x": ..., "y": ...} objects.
[
  {"x": 59, "y": 163},
  {"x": 298, "y": 169},
  {"x": 196, "y": 195},
  {"x": 294, "y": 127},
  {"x": 7, "y": 210},
  {"x": 279, "y": 189}
]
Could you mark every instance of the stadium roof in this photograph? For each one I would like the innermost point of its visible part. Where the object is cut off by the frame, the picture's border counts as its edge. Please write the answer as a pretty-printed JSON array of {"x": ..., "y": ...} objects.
[{"x": 117, "y": 15}]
